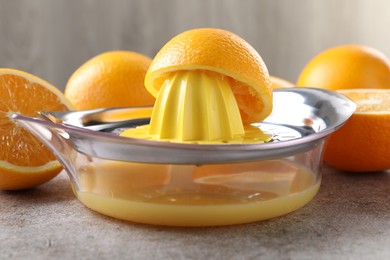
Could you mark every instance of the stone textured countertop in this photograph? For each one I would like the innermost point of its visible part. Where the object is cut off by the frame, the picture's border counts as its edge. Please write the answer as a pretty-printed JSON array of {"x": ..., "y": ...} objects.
[{"x": 348, "y": 219}]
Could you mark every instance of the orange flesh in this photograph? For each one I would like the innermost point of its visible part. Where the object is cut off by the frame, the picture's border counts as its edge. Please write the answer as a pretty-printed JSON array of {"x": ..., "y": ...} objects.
[
  {"x": 376, "y": 102},
  {"x": 17, "y": 145}
]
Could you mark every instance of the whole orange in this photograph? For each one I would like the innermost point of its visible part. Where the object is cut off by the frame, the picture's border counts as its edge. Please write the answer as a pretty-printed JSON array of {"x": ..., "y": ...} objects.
[
  {"x": 111, "y": 79},
  {"x": 346, "y": 67},
  {"x": 362, "y": 144}
]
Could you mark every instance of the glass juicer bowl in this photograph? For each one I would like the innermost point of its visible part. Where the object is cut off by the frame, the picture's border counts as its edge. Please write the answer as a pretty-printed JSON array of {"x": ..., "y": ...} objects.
[{"x": 181, "y": 184}]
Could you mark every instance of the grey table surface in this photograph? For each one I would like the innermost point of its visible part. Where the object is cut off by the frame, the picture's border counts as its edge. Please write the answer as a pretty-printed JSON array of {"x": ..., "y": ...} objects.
[{"x": 348, "y": 219}]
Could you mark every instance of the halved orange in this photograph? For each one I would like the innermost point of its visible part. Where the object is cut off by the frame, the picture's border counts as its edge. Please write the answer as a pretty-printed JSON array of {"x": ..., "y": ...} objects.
[
  {"x": 223, "y": 53},
  {"x": 362, "y": 144},
  {"x": 24, "y": 161}
]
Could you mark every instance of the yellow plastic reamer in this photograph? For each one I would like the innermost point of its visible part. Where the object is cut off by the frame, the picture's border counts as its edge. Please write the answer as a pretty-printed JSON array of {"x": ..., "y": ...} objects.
[{"x": 197, "y": 107}]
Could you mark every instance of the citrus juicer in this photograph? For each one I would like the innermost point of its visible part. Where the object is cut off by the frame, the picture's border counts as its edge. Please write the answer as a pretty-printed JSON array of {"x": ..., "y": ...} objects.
[{"x": 195, "y": 184}]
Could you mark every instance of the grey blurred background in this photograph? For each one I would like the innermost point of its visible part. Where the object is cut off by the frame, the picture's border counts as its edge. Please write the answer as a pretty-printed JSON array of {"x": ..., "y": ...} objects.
[{"x": 52, "y": 38}]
